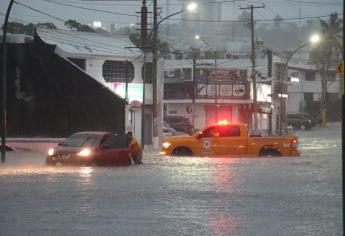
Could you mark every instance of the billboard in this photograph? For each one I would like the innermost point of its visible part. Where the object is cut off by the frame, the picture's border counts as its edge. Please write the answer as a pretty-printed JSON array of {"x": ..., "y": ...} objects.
[{"x": 215, "y": 74}]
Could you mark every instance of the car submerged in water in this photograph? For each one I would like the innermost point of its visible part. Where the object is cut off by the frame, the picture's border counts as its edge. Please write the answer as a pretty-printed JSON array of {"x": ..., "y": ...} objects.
[{"x": 91, "y": 149}]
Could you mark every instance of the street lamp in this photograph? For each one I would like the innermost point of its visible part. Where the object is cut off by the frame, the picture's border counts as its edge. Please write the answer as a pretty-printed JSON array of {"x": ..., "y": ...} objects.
[
  {"x": 314, "y": 39},
  {"x": 191, "y": 7}
]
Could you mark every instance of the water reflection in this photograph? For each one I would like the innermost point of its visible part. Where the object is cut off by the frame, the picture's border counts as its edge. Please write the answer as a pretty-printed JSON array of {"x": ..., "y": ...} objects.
[
  {"x": 86, "y": 183},
  {"x": 222, "y": 224},
  {"x": 223, "y": 175}
]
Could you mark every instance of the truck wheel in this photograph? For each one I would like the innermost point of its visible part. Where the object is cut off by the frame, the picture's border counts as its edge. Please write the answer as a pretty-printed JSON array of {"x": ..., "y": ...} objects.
[
  {"x": 182, "y": 151},
  {"x": 269, "y": 153}
]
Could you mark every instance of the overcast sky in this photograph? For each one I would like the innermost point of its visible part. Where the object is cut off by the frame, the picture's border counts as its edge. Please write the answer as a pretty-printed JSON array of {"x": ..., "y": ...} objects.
[{"x": 128, "y": 10}]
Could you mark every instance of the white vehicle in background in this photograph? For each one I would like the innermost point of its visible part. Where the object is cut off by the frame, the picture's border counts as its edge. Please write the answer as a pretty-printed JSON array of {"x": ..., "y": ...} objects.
[{"x": 168, "y": 130}]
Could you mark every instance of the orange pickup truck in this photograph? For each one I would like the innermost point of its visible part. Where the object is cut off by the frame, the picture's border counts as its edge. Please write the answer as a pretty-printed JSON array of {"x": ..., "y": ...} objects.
[{"x": 231, "y": 139}]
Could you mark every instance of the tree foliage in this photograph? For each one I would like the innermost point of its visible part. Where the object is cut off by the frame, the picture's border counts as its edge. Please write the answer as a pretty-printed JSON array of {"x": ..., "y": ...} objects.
[
  {"x": 163, "y": 46},
  {"x": 330, "y": 47},
  {"x": 75, "y": 25}
]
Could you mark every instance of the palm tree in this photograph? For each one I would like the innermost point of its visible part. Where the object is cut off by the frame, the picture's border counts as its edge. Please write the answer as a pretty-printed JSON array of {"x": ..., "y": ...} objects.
[{"x": 327, "y": 54}]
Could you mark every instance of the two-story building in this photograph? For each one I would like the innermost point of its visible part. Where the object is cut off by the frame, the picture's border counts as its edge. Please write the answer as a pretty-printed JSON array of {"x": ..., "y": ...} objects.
[
  {"x": 223, "y": 91},
  {"x": 303, "y": 90}
]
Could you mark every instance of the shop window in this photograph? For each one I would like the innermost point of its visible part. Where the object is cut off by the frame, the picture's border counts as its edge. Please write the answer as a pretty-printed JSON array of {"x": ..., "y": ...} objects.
[{"x": 118, "y": 71}]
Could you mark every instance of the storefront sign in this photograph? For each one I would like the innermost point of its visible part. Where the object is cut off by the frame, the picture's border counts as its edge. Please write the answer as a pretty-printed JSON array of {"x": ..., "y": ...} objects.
[
  {"x": 214, "y": 74},
  {"x": 223, "y": 90}
]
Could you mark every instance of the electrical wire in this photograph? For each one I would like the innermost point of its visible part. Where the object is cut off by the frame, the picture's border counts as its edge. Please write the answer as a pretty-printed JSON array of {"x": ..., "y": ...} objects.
[
  {"x": 90, "y": 9},
  {"x": 41, "y": 12}
]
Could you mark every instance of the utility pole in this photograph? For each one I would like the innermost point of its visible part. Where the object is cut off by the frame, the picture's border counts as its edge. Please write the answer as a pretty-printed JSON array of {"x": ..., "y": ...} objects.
[
  {"x": 126, "y": 79},
  {"x": 143, "y": 45},
  {"x": 193, "y": 89},
  {"x": 155, "y": 77},
  {"x": 252, "y": 57}
]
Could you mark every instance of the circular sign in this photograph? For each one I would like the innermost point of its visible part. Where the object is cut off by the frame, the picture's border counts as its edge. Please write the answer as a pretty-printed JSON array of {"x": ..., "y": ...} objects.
[
  {"x": 134, "y": 105},
  {"x": 207, "y": 143}
]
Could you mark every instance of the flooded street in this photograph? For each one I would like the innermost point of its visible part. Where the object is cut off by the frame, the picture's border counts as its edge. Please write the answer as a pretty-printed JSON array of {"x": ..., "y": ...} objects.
[{"x": 178, "y": 196}]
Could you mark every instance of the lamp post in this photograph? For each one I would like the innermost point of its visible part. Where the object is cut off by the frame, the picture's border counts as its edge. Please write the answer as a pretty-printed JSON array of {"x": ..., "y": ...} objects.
[
  {"x": 191, "y": 7},
  {"x": 314, "y": 39},
  {"x": 4, "y": 84}
]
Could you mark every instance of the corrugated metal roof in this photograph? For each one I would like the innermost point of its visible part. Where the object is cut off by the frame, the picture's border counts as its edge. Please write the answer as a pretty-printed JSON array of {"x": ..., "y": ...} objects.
[{"x": 89, "y": 43}]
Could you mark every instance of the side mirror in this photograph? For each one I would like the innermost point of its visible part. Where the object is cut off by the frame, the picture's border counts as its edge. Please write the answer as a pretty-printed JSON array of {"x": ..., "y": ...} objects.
[{"x": 199, "y": 135}]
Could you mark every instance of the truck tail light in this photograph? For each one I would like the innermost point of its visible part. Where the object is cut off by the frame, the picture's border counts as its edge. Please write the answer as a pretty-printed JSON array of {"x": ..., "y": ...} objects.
[{"x": 294, "y": 143}]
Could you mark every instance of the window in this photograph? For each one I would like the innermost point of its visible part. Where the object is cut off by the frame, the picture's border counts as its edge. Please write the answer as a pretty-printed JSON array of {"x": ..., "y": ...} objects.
[
  {"x": 117, "y": 71},
  {"x": 308, "y": 96},
  {"x": 117, "y": 141},
  {"x": 310, "y": 76},
  {"x": 82, "y": 140},
  {"x": 210, "y": 132},
  {"x": 229, "y": 131}
]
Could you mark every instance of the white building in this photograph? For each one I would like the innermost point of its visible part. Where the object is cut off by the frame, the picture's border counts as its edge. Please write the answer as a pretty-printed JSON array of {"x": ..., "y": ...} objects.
[
  {"x": 309, "y": 86},
  {"x": 112, "y": 61},
  {"x": 304, "y": 89}
]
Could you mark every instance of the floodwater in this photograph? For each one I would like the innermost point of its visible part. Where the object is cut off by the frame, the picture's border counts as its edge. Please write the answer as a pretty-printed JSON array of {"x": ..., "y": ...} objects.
[{"x": 178, "y": 196}]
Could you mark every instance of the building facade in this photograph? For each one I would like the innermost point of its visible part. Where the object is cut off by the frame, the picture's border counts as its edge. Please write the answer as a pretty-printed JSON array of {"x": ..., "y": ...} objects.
[
  {"x": 223, "y": 91},
  {"x": 114, "y": 62}
]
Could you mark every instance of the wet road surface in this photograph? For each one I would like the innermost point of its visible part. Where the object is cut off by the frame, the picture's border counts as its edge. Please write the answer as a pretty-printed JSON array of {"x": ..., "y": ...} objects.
[{"x": 178, "y": 196}]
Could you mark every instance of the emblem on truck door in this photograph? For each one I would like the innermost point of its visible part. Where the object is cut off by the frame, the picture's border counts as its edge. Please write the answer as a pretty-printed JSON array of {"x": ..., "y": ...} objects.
[{"x": 207, "y": 143}]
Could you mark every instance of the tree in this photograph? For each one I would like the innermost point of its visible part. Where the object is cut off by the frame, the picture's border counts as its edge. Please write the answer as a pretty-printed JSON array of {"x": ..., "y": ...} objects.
[
  {"x": 74, "y": 25},
  {"x": 47, "y": 25},
  {"x": 327, "y": 54}
]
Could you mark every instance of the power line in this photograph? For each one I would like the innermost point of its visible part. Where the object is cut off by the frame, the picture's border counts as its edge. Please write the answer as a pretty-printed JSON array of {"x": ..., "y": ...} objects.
[
  {"x": 103, "y": 4},
  {"x": 90, "y": 9},
  {"x": 78, "y": 44},
  {"x": 78, "y": 37},
  {"x": 23, "y": 21},
  {"x": 41, "y": 12}
]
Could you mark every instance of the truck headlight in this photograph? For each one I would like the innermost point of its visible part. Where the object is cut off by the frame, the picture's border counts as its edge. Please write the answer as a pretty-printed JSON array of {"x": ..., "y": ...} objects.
[{"x": 166, "y": 145}]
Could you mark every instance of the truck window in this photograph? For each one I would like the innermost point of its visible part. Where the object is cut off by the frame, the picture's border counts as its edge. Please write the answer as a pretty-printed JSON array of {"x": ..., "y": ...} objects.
[
  {"x": 229, "y": 131},
  {"x": 210, "y": 132}
]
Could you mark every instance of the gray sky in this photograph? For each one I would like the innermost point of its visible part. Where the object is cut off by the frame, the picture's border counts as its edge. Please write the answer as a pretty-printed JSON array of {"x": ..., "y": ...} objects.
[{"x": 230, "y": 10}]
